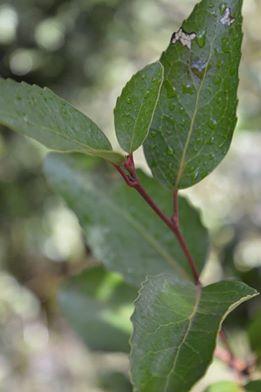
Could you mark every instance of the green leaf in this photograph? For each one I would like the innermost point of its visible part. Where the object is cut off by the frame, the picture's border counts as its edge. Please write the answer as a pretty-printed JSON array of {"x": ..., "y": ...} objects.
[
  {"x": 120, "y": 228},
  {"x": 196, "y": 113},
  {"x": 228, "y": 386},
  {"x": 114, "y": 382},
  {"x": 225, "y": 386},
  {"x": 254, "y": 333},
  {"x": 253, "y": 386},
  {"x": 47, "y": 118},
  {"x": 175, "y": 330},
  {"x": 135, "y": 107},
  {"x": 98, "y": 304}
]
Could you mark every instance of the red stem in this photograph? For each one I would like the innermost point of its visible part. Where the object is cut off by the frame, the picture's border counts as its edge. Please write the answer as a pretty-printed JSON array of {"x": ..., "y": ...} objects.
[
  {"x": 131, "y": 179},
  {"x": 175, "y": 216},
  {"x": 241, "y": 368},
  {"x": 226, "y": 344}
]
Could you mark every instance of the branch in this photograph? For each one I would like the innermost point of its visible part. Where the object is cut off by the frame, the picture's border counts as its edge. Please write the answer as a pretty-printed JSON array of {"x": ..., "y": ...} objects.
[
  {"x": 131, "y": 179},
  {"x": 241, "y": 368},
  {"x": 175, "y": 216}
]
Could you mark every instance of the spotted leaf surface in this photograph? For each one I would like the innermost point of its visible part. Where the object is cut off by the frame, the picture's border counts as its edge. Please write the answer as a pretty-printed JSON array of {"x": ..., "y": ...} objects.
[
  {"x": 175, "y": 330},
  {"x": 195, "y": 117},
  {"x": 135, "y": 107},
  {"x": 120, "y": 229},
  {"x": 47, "y": 118}
]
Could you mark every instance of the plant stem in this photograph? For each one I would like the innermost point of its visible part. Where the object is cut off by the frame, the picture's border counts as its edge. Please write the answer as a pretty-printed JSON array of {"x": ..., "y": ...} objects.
[
  {"x": 133, "y": 181},
  {"x": 241, "y": 368},
  {"x": 130, "y": 177},
  {"x": 175, "y": 216},
  {"x": 227, "y": 346}
]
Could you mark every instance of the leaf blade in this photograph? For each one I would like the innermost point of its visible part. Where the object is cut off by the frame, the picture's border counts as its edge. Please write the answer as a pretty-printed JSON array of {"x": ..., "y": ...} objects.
[
  {"x": 42, "y": 115},
  {"x": 120, "y": 229},
  {"x": 172, "y": 343},
  {"x": 135, "y": 107},
  {"x": 97, "y": 304},
  {"x": 253, "y": 386},
  {"x": 196, "y": 113},
  {"x": 225, "y": 386}
]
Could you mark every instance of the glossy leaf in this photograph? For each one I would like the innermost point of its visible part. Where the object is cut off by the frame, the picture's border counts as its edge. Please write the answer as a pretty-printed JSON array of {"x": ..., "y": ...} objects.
[
  {"x": 175, "y": 330},
  {"x": 120, "y": 228},
  {"x": 135, "y": 107},
  {"x": 47, "y": 118},
  {"x": 225, "y": 386},
  {"x": 98, "y": 304},
  {"x": 196, "y": 113}
]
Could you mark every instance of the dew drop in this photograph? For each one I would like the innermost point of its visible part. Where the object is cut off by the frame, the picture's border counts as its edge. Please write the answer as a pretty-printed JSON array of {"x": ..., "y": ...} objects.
[
  {"x": 196, "y": 175},
  {"x": 212, "y": 123},
  {"x": 201, "y": 39},
  {"x": 222, "y": 8},
  {"x": 170, "y": 152},
  {"x": 198, "y": 68},
  {"x": 187, "y": 89}
]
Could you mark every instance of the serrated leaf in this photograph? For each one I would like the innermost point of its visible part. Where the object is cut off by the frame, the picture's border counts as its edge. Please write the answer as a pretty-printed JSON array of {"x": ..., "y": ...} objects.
[
  {"x": 253, "y": 386},
  {"x": 98, "y": 304},
  {"x": 120, "y": 228},
  {"x": 47, "y": 118},
  {"x": 225, "y": 386},
  {"x": 135, "y": 107},
  {"x": 175, "y": 330},
  {"x": 196, "y": 113}
]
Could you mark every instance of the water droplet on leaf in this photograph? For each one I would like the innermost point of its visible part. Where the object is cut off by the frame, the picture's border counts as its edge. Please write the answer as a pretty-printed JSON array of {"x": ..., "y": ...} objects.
[
  {"x": 201, "y": 39},
  {"x": 187, "y": 89},
  {"x": 198, "y": 68},
  {"x": 212, "y": 123},
  {"x": 222, "y": 8}
]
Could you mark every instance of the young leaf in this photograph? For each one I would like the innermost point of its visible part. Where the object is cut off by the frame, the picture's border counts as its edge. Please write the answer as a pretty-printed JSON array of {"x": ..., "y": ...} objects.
[
  {"x": 120, "y": 229},
  {"x": 225, "y": 386},
  {"x": 196, "y": 113},
  {"x": 97, "y": 304},
  {"x": 42, "y": 115},
  {"x": 135, "y": 107},
  {"x": 175, "y": 330}
]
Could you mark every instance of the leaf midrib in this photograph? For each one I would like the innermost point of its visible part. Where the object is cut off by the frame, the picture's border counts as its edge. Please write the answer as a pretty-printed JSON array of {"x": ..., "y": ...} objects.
[
  {"x": 152, "y": 114},
  {"x": 193, "y": 118},
  {"x": 52, "y": 130},
  {"x": 185, "y": 335}
]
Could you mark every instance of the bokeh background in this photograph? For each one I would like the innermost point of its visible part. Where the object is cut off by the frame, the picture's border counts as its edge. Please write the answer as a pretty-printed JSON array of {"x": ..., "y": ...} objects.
[{"x": 86, "y": 50}]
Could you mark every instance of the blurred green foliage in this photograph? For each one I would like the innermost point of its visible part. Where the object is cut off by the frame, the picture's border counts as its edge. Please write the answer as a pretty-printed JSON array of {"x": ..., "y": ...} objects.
[{"x": 86, "y": 51}]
